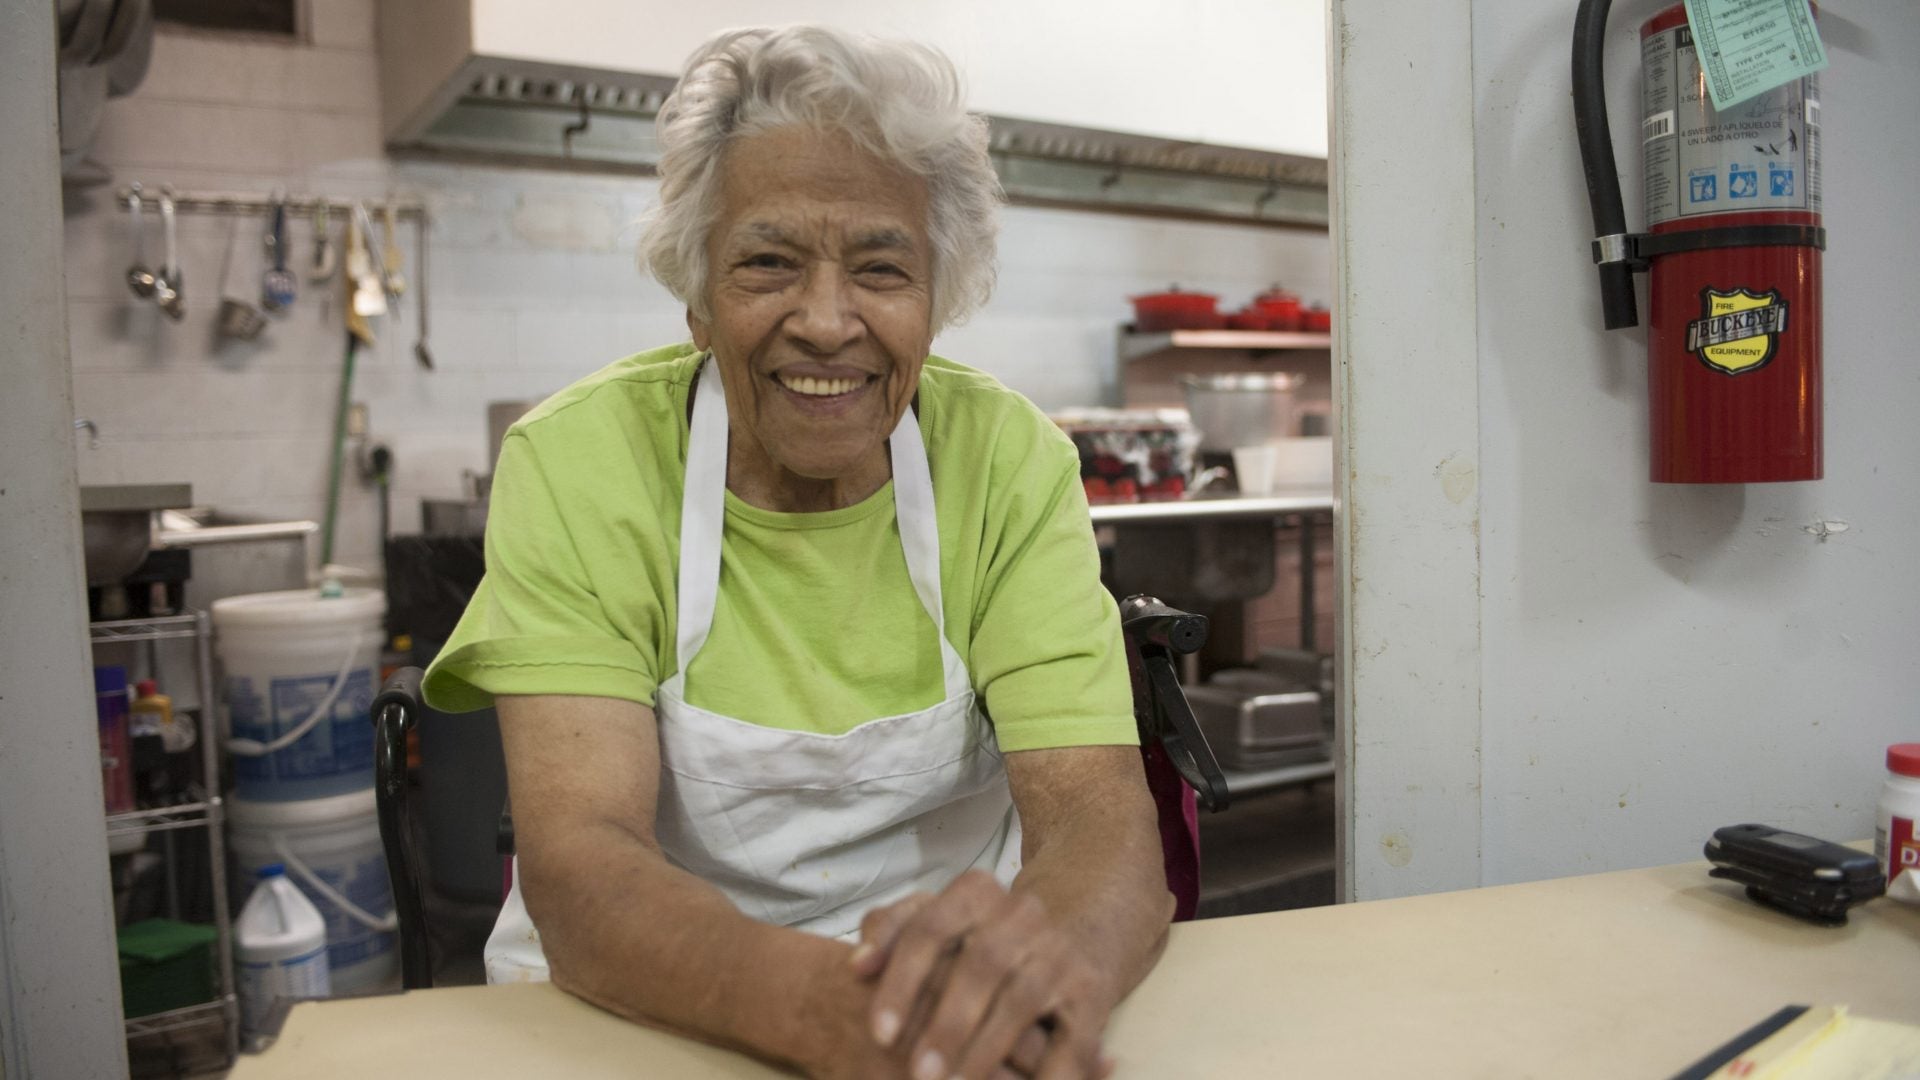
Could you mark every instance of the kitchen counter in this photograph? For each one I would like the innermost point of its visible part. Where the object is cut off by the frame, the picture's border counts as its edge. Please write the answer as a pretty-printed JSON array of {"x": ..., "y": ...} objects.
[
  {"x": 1635, "y": 973},
  {"x": 1286, "y": 502}
]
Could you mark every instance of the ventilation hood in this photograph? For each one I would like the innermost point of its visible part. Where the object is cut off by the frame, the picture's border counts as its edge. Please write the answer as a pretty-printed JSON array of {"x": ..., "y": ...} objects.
[{"x": 1148, "y": 119}]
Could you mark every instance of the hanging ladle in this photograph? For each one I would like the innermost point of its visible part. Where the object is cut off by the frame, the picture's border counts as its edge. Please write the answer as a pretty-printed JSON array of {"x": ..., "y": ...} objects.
[
  {"x": 139, "y": 278},
  {"x": 169, "y": 282}
]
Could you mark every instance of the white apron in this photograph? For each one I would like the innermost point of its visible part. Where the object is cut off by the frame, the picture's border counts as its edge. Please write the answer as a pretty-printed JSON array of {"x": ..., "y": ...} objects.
[{"x": 796, "y": 828}]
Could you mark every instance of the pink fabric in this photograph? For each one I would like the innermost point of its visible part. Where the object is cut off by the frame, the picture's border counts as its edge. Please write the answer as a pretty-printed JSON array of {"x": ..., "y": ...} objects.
[{"x": 1179, "y": 829}]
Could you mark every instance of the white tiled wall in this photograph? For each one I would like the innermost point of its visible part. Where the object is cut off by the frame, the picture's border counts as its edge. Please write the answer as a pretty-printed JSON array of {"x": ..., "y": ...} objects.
[{"x": 533, "y": 283}]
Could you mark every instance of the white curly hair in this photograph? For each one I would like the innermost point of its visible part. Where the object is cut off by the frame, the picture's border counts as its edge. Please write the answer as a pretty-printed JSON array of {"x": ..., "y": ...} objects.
[{"x": 900, "y": 101}]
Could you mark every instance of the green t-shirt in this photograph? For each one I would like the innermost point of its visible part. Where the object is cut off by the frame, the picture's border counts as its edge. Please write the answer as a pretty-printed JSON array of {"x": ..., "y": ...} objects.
[{"x": 817, "y": 626}]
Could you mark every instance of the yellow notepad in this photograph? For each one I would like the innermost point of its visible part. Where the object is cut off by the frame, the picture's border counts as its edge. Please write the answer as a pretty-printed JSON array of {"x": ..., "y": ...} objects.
[{"x": 1828, "y": 1043}]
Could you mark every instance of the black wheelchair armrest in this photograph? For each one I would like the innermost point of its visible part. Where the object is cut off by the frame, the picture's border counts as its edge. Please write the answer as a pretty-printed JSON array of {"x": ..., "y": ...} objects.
[
  {"x": 395, "y": 713},
  {"x": 1147, "y": 621},
  {"x": 1155, "y": 634}
]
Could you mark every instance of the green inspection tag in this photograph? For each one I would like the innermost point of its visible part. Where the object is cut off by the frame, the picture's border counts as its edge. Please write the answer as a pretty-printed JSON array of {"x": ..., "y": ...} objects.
[{"x": 1748, "y": 47}]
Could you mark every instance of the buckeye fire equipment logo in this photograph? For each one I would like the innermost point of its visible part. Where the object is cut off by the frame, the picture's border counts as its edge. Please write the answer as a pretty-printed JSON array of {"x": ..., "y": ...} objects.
[{"x": 1737, "y": 331}]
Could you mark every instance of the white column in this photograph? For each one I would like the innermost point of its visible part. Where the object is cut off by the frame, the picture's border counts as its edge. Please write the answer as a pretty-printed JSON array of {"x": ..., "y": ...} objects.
[
  {"x": 1407, "y": 391},
  {"x": 58, "y": 971}
]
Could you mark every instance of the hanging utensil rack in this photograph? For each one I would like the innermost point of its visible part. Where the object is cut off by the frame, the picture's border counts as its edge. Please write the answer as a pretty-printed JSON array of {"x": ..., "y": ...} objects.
[
  {"x": 262, "y": 203},
  {"x": 134, "y": 198}
]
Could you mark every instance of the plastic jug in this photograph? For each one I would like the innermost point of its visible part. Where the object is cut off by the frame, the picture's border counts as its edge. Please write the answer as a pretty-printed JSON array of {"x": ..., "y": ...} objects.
[
  {"x": 331, "y": 849},
  {"x": 281, "y": 946}
]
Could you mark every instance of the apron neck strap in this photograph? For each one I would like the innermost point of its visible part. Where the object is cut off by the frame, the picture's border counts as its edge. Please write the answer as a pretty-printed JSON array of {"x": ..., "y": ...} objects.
[
  {"x": 703, "y": 512},
  {"x": 913, "y": 508}
]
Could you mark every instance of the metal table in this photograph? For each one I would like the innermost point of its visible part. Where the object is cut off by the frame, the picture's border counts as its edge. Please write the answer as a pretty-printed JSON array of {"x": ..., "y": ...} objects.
[{"x": 1303, "y": 503}]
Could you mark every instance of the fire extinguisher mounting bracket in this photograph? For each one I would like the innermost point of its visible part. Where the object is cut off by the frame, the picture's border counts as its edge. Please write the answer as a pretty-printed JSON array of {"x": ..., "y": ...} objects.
[
  {"x": 1613, "y": 248},
  {"x": 1637, "y": 250}
]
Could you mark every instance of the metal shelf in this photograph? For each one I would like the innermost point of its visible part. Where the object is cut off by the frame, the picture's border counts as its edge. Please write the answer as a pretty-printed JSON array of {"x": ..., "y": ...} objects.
[
  {"x": 1305, "y": 500},
  {"x": 206, "y": 811},
  {"x": 1254, "y": 781},
  {"x": 159, "y": 628},
  {"x": 1134, "y": 345},
  {"x": 256, "y": 202},
  {"x": 224, "y": 1009},
  {"x": 165, "y": 818}
]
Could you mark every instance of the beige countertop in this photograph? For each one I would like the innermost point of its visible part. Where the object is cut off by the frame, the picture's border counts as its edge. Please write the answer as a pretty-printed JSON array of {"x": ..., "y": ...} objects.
[{"x": 1629, "y": 974}]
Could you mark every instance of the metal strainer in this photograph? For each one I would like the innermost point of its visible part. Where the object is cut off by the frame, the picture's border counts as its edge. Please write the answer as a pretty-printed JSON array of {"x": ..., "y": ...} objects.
[{"x": 239, "y": 319}]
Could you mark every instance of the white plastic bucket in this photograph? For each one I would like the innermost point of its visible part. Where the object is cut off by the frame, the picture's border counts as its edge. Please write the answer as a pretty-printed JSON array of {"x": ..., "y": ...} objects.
[
  {"x": 299, "y": 660},
  {"x": 331, "y": 848}
]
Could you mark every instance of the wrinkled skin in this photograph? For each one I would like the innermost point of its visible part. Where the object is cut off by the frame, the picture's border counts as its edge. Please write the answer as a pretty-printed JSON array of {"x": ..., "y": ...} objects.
[{"x": 820, "y": 269}]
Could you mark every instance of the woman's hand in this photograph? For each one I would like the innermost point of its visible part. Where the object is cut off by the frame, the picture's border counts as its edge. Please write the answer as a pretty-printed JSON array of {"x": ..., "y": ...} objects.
[
  {"x": 980, "y": 982},
  {"x": 837, "y": 1005}
]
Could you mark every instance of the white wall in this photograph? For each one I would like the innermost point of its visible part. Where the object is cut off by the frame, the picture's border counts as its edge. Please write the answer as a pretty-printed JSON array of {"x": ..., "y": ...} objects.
[
  {"x": 59, "y": 982},
  {"x": 1655, "y": 661},
  {"x": 1662, "y": 660},
  {"x": 1237, "y": 72},
  {"x": 533, "y": 283},
  {"x": 1409, "y": 528}
]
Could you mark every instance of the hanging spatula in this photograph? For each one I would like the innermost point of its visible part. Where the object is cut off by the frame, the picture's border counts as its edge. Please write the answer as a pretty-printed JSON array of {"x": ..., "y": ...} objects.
[
  {"x": 368, "y": 299},
  {"x": 391, "y": 260}
]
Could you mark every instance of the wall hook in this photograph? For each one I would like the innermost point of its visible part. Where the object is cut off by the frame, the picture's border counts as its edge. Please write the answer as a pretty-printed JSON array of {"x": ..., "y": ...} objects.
[
  {"x": 580, "y": 126},
  {"x": 1273, "y": 188}
]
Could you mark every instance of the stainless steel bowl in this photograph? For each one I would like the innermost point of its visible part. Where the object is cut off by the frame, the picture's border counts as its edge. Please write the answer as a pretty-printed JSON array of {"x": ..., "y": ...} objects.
[
  {"x": 1242, "y": 410},
  {"x": 116, "y": 525},
  {"x": 115, "y": 542}
]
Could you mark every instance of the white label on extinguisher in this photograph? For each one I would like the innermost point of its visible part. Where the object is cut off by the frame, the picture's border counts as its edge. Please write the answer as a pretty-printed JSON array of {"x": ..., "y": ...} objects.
[{"x": 1762, "y": 154}]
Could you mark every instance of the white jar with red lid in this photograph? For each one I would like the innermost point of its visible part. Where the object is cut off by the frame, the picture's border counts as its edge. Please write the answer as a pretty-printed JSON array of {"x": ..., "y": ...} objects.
[{"x": 1896, "y": 835}]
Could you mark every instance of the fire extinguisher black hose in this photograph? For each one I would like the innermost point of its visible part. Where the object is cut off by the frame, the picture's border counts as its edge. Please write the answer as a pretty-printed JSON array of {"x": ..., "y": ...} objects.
[{"x": 1596, "y": 157}]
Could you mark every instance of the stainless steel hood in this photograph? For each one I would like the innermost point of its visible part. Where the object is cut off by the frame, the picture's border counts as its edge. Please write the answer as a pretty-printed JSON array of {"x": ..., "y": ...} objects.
[{"x": 475, "y": 80}]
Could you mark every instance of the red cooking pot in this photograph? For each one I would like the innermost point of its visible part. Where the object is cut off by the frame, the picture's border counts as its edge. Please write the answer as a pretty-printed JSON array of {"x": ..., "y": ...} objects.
[
  {"x": 1281, "y": 308},
  {"x": 1176, "y": 310}
]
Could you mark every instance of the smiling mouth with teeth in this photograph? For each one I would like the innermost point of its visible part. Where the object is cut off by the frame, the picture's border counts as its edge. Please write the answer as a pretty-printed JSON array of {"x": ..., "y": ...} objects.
[{"x": 813, "y": 387}]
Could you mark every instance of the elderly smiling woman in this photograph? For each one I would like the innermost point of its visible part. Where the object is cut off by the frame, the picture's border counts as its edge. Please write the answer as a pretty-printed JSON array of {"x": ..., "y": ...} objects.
[{"x": 816, "y": 714}]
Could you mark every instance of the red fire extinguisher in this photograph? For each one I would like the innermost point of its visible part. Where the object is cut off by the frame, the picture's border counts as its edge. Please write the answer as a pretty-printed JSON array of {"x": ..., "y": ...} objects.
[{"x": 1732, "y": 255}]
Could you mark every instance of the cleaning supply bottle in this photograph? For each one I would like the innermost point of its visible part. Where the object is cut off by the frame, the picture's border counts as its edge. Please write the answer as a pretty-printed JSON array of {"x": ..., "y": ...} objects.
[
  {"x": 162, "y": 746},
  {"x": 116, "y": 743},
  {"x": 281, "y": 946},
  {"x": 153, "y": 715}
]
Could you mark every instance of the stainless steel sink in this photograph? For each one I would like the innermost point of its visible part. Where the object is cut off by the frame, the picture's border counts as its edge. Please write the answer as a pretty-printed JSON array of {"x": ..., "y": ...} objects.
[
  {"x": 116, "y": 525},
  {"x": 121, "y": 523}
]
